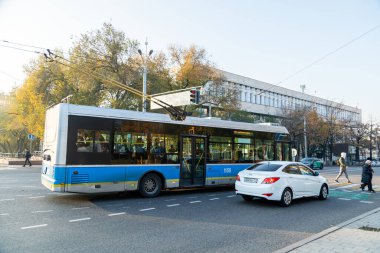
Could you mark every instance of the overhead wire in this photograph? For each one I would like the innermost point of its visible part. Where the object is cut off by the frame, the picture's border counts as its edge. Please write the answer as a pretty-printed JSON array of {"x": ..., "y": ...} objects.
[
  {"x": 175, "y": 113},
  {"x": 272, "y": 86},
  {"x": 320, "y": 59}
]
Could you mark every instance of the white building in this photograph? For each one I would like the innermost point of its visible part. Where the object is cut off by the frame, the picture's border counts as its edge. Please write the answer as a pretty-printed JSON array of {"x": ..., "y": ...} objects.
[{"x": 269, "y": 100}]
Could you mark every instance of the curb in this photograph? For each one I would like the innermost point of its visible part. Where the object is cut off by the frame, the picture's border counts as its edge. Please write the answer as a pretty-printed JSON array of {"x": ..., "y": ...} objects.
[{"x": 325, "y": 232}]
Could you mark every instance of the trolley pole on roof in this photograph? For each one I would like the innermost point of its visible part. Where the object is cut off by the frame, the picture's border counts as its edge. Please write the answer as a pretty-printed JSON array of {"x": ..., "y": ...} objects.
[{"x": 145, "y": 72}]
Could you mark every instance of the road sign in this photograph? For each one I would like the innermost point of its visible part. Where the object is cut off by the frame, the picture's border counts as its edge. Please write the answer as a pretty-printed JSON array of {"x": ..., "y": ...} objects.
[{"x": 31, "y": 137}]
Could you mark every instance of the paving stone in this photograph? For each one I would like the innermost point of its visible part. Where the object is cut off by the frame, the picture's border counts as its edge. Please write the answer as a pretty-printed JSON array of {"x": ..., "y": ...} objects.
[{"x": 348, "y": 239}]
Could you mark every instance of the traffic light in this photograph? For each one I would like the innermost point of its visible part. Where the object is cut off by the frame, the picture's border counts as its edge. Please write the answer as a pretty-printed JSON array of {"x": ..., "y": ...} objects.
[{"x": 194, "y": 96}]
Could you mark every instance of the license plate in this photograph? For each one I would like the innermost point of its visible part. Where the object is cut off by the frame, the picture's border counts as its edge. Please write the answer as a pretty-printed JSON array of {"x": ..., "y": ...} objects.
[{"x": 250, "y": 180}]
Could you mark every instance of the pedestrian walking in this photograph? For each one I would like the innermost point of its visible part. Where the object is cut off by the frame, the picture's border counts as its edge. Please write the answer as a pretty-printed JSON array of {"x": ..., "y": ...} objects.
[
  {"x": 343, "y": 167},
  {"x": 367, "y": 175},
  {"x": 27, "y": 157}
]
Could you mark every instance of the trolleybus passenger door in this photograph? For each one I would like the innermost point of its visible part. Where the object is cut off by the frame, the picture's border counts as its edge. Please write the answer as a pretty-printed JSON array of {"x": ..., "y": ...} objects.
[{"x": 193, "y": 161}]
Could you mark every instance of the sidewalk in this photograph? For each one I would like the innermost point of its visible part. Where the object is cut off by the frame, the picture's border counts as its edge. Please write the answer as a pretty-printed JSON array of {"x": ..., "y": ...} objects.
[
  {"x": 360, "y": 234},
  {"x": 19, "y": 161}
]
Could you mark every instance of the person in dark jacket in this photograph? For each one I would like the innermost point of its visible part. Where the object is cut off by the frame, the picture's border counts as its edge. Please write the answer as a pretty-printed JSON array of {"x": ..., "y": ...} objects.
[
  {"x": 367, "y": 174},
  {"x": 27, "y": 157}
]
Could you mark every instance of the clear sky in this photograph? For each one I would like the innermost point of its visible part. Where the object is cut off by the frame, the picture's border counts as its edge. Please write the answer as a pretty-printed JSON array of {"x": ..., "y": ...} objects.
[{"x": 267, "y": 40}]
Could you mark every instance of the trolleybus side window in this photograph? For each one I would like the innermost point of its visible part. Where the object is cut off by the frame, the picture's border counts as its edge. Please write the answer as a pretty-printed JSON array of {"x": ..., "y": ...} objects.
[
  {"x": 102, "y": 142},
  {"x": 171, "y": 145},
  {"x": 139, "y": 148},
  {"x": 85, "y": 140},
  {"x": 157, "y": 149},
  {"x": 220, "y": 149},
  {"x": 92, "y": 141},
  {"x": 244, "y": 149}
]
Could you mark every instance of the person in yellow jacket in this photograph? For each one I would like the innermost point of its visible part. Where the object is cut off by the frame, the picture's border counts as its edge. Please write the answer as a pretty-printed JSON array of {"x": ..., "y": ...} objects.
[{"x": 343, "y": 167}]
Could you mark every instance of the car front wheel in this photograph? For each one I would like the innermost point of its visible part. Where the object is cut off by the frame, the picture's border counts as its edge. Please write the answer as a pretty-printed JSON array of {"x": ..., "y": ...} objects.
[{"x": 286, "y": 198}]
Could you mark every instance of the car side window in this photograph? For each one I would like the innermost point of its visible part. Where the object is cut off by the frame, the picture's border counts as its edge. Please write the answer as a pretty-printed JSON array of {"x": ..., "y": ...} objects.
[
  {"x": 305, "y": 171},
  {"x": 292, "y": 169}
]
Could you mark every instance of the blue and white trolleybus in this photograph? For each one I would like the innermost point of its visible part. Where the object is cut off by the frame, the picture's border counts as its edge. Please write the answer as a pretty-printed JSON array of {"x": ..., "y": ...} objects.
[{"x": 89, "y": 150}]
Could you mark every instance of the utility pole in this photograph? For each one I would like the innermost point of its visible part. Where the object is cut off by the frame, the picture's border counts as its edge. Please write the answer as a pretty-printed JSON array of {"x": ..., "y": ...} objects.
[
  {"x": 370, "y": 140},
  {"x": 145, "y": 72},
  {"x": 304, "y": 134},
  {"x": 304, "y": 123}
]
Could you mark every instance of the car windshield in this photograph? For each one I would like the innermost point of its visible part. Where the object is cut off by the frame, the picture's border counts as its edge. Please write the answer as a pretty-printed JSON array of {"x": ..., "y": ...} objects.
[
  {"x": 265, "y": 167},
  {"x": 305, "y": 160}
]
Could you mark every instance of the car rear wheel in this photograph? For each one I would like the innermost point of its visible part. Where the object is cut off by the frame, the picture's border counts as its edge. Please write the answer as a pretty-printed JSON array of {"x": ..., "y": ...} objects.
[
  {"x": 286, "y": 198},
  {"x": 324, "y": 192},
  {"x": 247, "y": 197},
  {"x": 150, "y": 185}
]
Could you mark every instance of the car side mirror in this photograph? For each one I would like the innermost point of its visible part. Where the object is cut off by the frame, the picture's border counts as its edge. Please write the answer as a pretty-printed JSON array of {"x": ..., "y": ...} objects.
[{"x": 316, "y": 173}]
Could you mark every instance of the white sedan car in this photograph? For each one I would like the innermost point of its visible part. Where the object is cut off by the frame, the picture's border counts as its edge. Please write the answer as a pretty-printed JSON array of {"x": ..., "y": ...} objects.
[{"x": 280, "y": 181}]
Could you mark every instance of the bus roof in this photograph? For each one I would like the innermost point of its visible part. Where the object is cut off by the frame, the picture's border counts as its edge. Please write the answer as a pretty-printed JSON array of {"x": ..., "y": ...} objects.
[{"x": 92, "y": 111}]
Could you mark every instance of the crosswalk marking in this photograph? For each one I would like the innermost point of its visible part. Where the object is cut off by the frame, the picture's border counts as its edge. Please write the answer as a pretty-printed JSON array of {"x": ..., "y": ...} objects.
[{"x": 347, "y": 186}]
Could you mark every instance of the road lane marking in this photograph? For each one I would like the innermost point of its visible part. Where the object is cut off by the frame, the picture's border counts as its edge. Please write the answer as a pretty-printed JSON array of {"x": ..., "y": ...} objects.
[
  {"x": 344, "y": 199},
  {"x": 80, "y": 208},
  {"x": 172, "y": 205},
  {"x": 83, "y": 219},
  {"x": 5, "y": 187},
  {"x": 23, "y": 195},
  {"x": 44, "y": 211},
  {"x": 115, "y": 214},
  {"x": 3, "y": 214},
  {"x": 6, "y": 199},
  {"x": 231, "y": 196},
  {"x": 197, "y": 201},
  {"x": 37, "y": 197},
  {"x": 367, "y": 202},
  {"x": 214, "y": 199},
  {"x": 147, "y": 209},
  {"x": 36, "y": 226}
]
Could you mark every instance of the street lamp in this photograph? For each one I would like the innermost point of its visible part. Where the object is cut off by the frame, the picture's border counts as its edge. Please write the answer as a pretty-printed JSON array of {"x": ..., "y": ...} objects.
[{"x": 145, "y": 71}]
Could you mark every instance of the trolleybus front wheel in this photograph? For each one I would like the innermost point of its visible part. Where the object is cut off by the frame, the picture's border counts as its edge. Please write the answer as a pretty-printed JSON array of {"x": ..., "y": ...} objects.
[{"x": 150, "y": 185}]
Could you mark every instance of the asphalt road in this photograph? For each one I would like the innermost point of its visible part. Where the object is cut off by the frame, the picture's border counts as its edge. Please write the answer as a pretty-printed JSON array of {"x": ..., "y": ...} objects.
[{"x": 32, "y": 219}]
